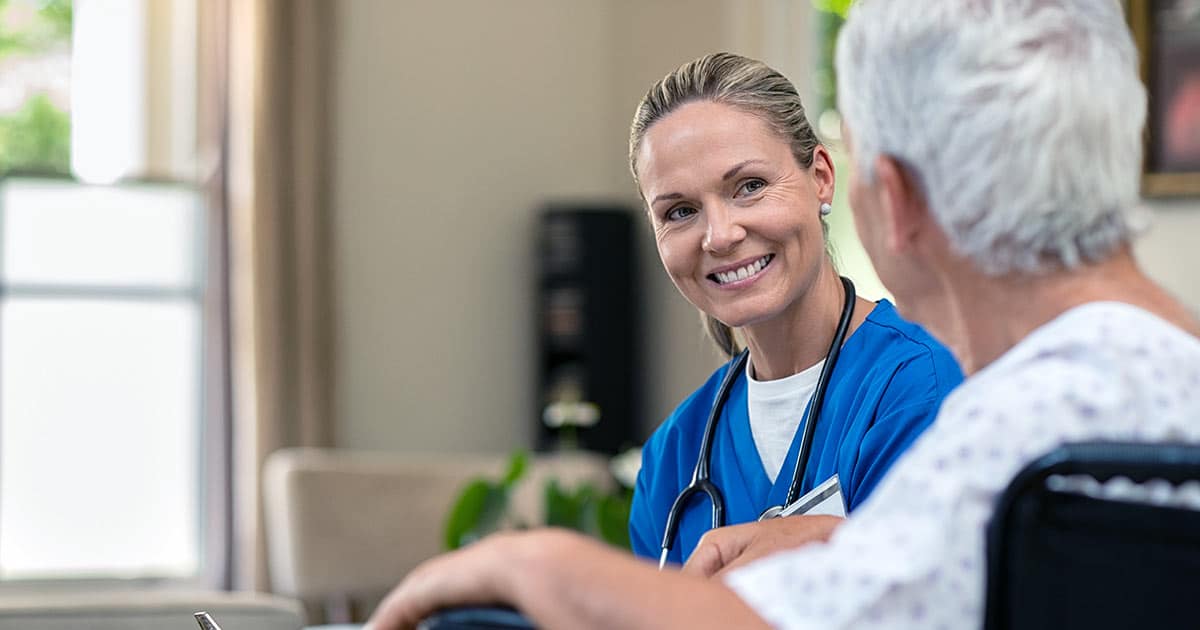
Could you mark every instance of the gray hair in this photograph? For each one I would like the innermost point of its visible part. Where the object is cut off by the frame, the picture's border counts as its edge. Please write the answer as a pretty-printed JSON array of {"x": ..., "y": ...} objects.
[
  {"x": 1020, "y": 119},
  {"x": 740, "y": 82}
]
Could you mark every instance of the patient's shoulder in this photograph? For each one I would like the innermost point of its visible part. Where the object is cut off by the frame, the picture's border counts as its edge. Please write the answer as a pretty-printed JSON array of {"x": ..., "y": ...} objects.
[{"x": 1100, "y": 371}]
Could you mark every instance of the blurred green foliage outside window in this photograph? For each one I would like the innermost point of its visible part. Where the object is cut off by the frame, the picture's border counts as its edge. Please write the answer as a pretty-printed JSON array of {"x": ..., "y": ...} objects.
[
  {"x": 831, "y": 14},
  {"x": 35, "y": 57}
]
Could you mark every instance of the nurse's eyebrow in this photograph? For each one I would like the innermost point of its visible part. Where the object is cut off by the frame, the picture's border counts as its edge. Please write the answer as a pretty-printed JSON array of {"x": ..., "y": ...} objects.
[
  {"x": 666, "y": 196},
  {"x": 728, "y": 174},
  {"x": 734, "y": 171}
]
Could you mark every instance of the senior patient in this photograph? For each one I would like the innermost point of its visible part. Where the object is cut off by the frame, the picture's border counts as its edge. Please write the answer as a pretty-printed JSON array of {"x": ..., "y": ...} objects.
[{"x": 998, "y": 145}]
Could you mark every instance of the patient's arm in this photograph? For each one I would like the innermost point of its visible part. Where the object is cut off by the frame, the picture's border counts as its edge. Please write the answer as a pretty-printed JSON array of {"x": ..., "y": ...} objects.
[
  {"x": 726, "y": 548},
  {"x": 560, "y": 579}
]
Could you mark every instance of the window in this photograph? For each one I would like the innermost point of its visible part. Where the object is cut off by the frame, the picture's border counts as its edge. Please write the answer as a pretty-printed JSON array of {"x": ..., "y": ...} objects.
[
  {"x": 99, "y": 380},
  {"x": 102, "y": 295}
]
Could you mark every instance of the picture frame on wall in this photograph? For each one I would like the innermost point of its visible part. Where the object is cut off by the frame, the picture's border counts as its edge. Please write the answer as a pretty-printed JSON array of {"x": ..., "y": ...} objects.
[{"x": 1167, "y": 33}]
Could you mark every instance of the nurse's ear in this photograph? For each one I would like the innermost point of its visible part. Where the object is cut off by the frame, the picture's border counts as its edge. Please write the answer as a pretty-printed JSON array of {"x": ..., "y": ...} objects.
[
  {"x": 823, "y": 174},
  {"x": 905, "y": 214}
]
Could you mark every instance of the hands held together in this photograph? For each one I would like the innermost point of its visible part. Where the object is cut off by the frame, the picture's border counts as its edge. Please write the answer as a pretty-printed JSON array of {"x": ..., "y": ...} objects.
[
  {"x": 727, "y": 548},
  {"x": 559, "y": 578}
]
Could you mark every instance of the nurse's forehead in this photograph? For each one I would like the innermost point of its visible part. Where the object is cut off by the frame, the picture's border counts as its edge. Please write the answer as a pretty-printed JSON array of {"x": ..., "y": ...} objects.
[
  {"x": 706, "y": 142},
  {"x": 705, "y": 123}
]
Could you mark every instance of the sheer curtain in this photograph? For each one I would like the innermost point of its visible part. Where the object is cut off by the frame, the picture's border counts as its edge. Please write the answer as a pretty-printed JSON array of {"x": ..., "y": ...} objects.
[{"x": 266, "y": 69}]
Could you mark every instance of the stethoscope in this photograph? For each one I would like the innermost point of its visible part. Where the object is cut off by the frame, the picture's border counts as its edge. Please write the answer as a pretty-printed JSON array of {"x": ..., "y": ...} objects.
[{"x": 701, "y": 483}]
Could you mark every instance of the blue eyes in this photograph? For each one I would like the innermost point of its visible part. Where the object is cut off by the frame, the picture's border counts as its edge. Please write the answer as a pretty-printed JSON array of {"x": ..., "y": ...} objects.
[
  {"x": 752, "y": 186},
  {"x": 680, "y": 212},
  {"x": 749, "y": 188}
]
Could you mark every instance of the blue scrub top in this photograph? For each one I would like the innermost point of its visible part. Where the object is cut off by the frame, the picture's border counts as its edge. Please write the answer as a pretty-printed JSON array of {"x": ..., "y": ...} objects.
[{"x": 886, "y": 388}]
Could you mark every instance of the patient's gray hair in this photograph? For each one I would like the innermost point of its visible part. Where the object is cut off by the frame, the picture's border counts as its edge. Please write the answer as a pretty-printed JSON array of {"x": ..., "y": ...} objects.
[{"x": 1021, "y": 120}]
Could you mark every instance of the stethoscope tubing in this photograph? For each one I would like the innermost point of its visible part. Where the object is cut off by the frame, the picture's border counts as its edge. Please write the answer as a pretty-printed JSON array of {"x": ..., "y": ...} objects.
[
  {"x": 701, "y": 482},
  {"x": 818, "y": 399},
  {"x": 700, "y": 474}
]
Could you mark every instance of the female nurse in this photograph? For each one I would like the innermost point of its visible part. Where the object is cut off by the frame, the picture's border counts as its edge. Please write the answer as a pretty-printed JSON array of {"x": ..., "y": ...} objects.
[{"x": 735, "y": 184}]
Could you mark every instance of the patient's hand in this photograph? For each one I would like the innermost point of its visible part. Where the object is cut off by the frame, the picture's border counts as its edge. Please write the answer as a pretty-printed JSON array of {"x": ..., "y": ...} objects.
[
  {"x": 472, "y": 575},
  {"x": 727, "y": 548},
  {"x": 560, "y": 579}
]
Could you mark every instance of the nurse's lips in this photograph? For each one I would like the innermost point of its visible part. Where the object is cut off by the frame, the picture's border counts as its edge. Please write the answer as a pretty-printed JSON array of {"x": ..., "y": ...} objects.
[{"x": 740, "y": 273}]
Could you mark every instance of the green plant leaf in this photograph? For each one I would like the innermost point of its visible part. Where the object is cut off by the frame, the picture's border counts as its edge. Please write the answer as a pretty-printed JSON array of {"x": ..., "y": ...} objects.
[
  {"x": 479, "y": 511},
  {"x": 495, "y": 508},
  {"x": 465, "y": 515},
  {"x": 839, "y": 7},
  {"x": 612, "y": 519},
  {"x": 560, "y": 506},
  {"x": 516, "y": 468},
  {"x": 567, "y": 508},
  {"x": 482, "y": 505}
]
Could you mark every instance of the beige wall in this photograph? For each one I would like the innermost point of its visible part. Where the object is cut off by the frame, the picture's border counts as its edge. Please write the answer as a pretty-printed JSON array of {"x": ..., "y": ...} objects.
[
  {"x": 1170, "y": 249},
  {"x": 454, "y": 121}
]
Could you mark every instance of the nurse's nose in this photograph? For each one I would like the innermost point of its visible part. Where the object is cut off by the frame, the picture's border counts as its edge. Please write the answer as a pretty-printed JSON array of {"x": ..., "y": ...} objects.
[{"x": 723, "y": 232}]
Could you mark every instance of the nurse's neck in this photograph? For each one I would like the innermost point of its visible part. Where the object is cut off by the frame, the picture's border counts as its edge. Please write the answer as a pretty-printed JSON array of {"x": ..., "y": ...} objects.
[{"x": 799, "y": 337}]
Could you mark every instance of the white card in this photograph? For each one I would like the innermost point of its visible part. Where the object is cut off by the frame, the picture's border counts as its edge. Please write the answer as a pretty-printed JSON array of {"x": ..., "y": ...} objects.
[{"x": 825, "y": 499}]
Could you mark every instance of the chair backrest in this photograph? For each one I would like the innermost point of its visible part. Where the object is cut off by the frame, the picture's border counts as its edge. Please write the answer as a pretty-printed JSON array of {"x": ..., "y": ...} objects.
[
  {"x": 1064, "y": 559},
  {"x": 343, "y": 527}
]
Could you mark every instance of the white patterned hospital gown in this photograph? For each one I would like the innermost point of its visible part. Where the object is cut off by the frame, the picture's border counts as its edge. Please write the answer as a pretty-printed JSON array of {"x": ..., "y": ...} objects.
[{"x": 913, "y": 555}]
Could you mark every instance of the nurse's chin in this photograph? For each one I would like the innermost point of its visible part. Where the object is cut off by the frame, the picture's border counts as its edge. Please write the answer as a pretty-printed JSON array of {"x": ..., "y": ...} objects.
[{"x": 746, "y": 315}]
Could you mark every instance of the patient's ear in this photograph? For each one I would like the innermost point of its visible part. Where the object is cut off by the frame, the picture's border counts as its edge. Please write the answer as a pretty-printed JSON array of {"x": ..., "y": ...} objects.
[{"x": 905, "y": 212}]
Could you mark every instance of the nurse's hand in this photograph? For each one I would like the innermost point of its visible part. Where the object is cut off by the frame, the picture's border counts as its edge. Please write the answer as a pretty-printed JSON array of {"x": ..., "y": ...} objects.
[{"x": 727, "y": 548}]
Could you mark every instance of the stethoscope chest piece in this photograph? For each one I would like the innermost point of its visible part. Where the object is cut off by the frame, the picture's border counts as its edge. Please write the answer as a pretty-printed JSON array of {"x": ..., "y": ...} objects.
[{"x": 772, "y": 512}]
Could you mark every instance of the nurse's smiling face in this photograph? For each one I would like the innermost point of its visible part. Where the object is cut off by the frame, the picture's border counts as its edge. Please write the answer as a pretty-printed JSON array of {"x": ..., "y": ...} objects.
[{"x": 735, "y": 216}]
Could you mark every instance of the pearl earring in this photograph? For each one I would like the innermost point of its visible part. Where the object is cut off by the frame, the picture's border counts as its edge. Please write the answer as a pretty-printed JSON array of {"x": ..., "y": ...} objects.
[{"x": 826, "y": 209}]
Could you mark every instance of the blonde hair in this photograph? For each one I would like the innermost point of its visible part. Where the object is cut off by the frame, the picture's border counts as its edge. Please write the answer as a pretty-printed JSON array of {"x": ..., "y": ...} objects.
[{"x": 740, "y": 82}]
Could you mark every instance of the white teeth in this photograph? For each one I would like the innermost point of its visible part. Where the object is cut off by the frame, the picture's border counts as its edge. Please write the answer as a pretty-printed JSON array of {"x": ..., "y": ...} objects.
[{"x": 725, "y": 277}]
